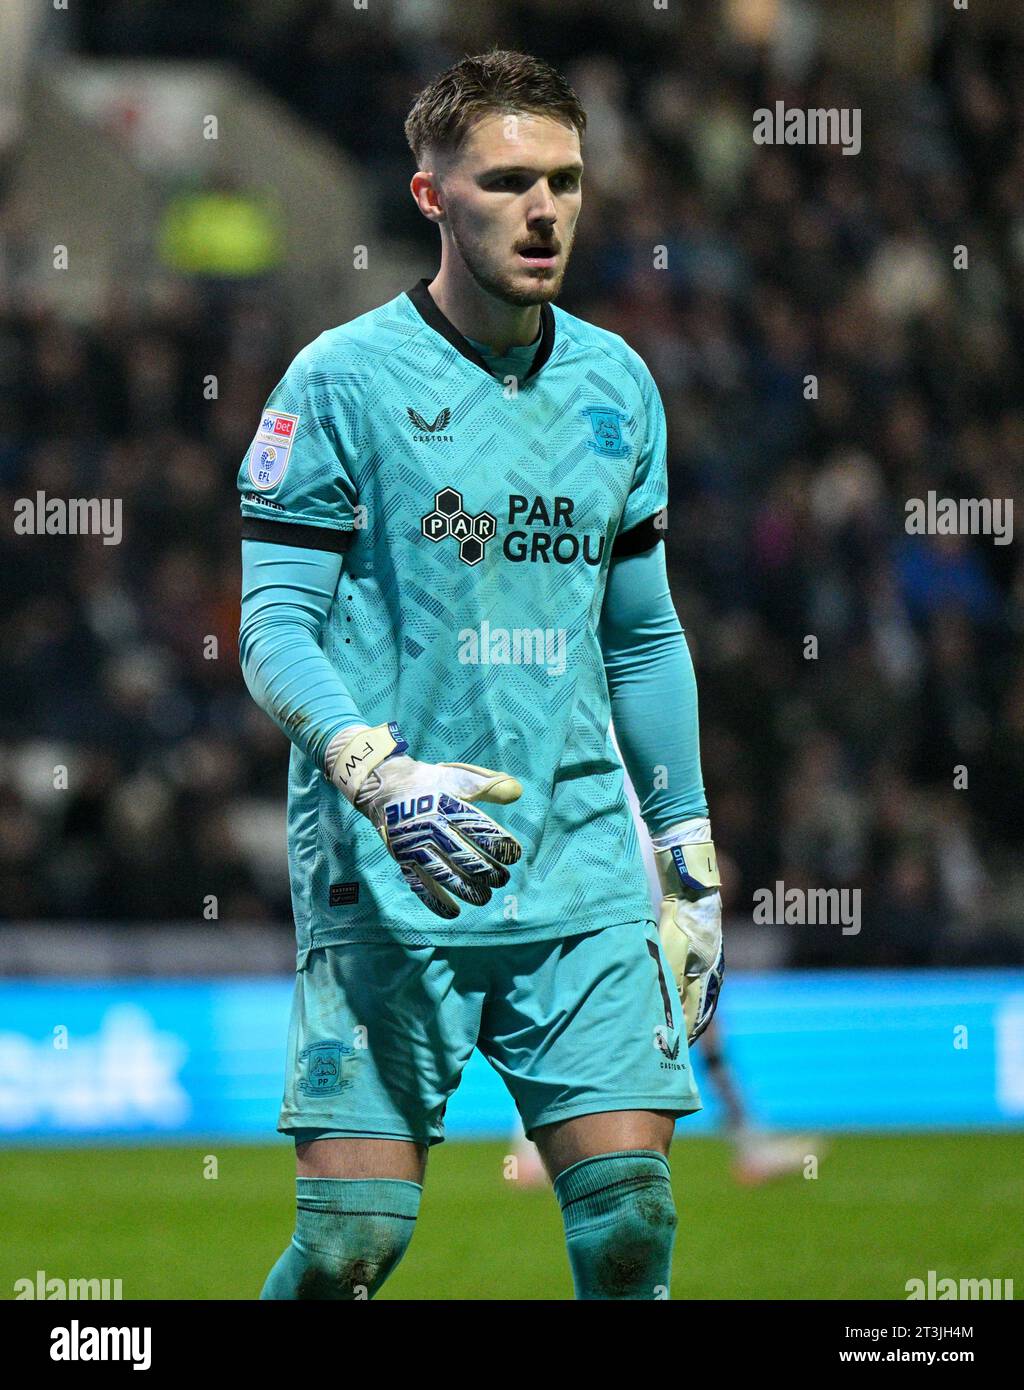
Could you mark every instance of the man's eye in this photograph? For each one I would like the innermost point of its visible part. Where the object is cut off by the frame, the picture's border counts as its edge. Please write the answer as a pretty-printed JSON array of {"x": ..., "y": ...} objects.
[{"x": 563, "y": 182}]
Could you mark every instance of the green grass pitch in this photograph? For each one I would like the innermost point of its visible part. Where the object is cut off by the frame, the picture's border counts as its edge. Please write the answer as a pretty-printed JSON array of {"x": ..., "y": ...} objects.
[{"x": 881, "y": 1211}]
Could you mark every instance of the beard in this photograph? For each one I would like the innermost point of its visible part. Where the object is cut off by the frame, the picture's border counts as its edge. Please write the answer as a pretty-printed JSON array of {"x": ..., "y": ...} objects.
[{"x": 499, "y": 282}]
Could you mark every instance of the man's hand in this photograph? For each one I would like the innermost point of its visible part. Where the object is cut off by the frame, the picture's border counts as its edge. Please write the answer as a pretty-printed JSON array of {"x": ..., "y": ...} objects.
[
  {"x": 691, "y": 918},
  {"x": 442, "y": 843}
]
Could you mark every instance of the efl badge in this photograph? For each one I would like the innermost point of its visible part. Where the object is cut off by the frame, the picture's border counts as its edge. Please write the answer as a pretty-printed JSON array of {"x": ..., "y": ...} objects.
[{"x": 270, "y": 450}]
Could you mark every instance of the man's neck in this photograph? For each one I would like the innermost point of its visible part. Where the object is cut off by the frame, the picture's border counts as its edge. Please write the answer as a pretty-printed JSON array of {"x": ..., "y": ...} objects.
[{"x": 482, "y": 317}]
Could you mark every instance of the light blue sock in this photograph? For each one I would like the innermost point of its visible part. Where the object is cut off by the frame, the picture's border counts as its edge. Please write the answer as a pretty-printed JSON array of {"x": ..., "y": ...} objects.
[
  {"x": 620, "y": 1221},
  {"x": 350, "y": 1233}
]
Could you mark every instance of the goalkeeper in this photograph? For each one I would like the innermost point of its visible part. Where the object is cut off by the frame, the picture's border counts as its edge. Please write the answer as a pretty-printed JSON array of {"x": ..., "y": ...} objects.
[{"x": 464, "y": 868}]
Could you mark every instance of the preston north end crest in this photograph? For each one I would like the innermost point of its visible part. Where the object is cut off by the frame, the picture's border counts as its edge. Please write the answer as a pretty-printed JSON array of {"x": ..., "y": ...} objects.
[
  {"x": 606, "y": 424},
  {"x": 324, "y": 1068}
]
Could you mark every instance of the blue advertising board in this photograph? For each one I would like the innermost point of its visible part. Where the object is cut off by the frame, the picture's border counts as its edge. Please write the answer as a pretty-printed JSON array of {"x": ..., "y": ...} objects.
[{"x": 140, "y": 1060}]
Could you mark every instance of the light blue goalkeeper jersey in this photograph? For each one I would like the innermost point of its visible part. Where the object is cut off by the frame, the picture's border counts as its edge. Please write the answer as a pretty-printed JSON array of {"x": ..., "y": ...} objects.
[{"x": 477, "y": 517}]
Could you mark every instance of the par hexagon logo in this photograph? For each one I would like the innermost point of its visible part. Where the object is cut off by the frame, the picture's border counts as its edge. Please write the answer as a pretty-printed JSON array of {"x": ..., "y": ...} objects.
[{"x": 450, "y": 520}]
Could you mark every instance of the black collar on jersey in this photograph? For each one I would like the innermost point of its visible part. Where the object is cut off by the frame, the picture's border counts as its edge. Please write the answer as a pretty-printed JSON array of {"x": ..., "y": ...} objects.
[{"x": 431, "y": 314}]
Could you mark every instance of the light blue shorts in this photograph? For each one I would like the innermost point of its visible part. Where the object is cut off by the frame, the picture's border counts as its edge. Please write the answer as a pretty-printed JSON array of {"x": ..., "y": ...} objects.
[{"x": 380, "y": 1033}]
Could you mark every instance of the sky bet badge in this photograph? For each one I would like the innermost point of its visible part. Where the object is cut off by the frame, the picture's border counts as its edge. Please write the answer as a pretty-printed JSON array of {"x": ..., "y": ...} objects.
[
  {"x": 324, "y": 1068},
  {"x": 270, "y": 450}
]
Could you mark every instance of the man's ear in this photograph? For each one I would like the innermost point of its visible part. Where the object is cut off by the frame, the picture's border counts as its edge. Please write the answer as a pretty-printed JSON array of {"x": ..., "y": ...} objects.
[{"x": 425, "y": 188}]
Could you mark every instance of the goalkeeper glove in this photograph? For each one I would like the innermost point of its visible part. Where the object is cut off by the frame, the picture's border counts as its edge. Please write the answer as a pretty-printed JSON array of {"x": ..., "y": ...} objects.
[
  {"x": 442, "y": 844},
  {"x": 691, "y": 918}
]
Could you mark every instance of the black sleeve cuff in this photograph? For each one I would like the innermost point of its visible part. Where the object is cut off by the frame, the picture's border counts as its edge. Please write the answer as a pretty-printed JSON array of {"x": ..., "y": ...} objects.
[
  {"x": 256, "y": 528},
  {"x": 644, "y": 536}
]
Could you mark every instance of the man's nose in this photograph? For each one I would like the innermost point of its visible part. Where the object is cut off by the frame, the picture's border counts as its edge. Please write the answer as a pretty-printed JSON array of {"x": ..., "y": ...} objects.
[{"x": 544, "y": 209}]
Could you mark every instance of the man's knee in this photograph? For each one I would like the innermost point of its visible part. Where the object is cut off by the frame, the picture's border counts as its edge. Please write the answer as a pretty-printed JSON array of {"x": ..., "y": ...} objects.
[
  {"x": 349, "y": 1236},
  {"x": 620, "y": 1223},
  {"x": 636, "y": 1240},
  {"x": 349, "y": 1257}
]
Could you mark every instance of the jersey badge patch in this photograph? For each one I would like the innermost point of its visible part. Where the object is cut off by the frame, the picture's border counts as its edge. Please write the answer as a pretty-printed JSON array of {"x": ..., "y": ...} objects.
[
  {"x": 271, "y": 448},
  {"x": 606, "y": 423}
]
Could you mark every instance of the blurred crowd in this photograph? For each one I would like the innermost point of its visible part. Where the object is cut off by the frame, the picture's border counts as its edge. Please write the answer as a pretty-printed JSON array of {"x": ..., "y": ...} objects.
[{"x": 821, "y": 360}]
